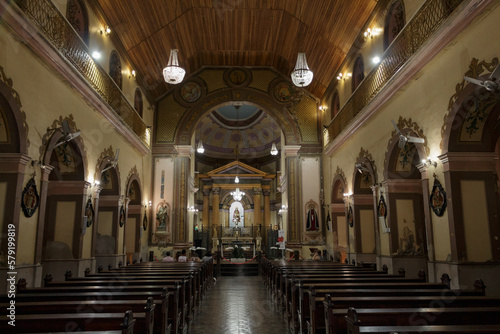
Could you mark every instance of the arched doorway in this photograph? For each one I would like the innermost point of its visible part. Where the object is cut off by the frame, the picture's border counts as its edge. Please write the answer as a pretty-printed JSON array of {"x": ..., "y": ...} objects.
[
  {"x": 133, "y": 224},
  {"x": 339, "y": 228}
]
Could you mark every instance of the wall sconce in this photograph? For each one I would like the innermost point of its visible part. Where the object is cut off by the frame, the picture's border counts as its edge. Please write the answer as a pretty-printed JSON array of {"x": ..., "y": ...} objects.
[
  {"x": 349, "y": 194},
  {"x": 192, "y": 209},
  {"x": 282, "y": 210},
  {"x": 96, "y": 54},
  {"x": 132, "y": 74},
  {"x": 343, "y": 76},
  {"x": 323, "y": 108},
  {"x": 105, "y": 31},
  {"x": 429, "y": 162},
  {"x": 150, "y": 203},
  {"x": 37, "y": 163},
  {"x": 369, "y": 33}
]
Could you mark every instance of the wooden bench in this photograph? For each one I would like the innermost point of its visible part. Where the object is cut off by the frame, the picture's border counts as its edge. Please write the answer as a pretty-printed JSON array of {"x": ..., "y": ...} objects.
[
  {"x": 174, "y": 308},
  {"x": 81, "y": 322},
  {"x": 460, "y": 322},
  {"x": 160, "y": 309}
]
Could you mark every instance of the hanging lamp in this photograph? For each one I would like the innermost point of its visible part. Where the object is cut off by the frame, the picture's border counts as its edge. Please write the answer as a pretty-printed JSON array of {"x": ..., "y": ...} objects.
[
  {"x": 301, "y": 74},
  {"x": 173, "y": 73}
]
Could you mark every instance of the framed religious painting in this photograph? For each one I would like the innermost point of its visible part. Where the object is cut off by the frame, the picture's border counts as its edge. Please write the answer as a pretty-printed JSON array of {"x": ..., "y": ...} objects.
[
  {"x": 29, "y": 198},
  {"x": 122, "y": 216},
  {"x": 350, "y": 218},
  {"x": 438, "y": 198},
  {"x": 145, "y": 222},
  {"x": 89, "y": 212},
  {"x": 382, "y": 214}
]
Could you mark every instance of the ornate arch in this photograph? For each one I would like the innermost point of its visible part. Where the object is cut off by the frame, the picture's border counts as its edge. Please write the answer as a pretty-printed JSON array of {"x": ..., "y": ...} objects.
[
  {"x": 133, "y": 175},
  {"x": 76, "y": 13},
  {"x": 395, "y": 21},
  {"x": 104, "y": 160},
  {"x": 394, "y": 156},
  {"x": 358, "y": 72},
  {"x": 363, "y": 181},
  {"x": 50, "y": 138},
  {"x": 339, "y": 181},
  {"x": 115, "y": 68},
  {"x": 10, "y": 102},
  {"x": 473, "y": 114}
]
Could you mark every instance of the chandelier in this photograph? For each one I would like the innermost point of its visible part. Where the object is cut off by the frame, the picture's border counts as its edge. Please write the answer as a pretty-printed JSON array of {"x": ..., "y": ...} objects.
[
  {"x": 274, "y": 149},
  {"x": 237, "y": 195},
  {"x": 173, "y": 73},
  {"x": 200, "y": 149},
  {"x": 301, "y": 74}
]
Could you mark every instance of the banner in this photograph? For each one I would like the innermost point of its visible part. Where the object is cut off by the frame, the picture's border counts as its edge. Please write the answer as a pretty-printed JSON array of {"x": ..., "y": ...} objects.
[{"x": 281, "y": 239}]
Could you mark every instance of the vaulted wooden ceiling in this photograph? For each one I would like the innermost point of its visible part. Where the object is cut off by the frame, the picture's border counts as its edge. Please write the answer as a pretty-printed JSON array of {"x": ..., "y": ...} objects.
[{"x": 236, "y": 33}]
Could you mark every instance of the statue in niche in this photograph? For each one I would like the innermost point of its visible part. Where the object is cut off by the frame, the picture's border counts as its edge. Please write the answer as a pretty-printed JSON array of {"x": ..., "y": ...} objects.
[
  {"x": 236, "y": 216},
  {"x": 312, "y": 223}
]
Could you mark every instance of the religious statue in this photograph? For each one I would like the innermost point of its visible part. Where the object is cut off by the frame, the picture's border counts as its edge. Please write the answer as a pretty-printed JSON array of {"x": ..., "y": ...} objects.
[
  {"x": 312, "y": 223},
  {"x": 236, "y": 216},
  {"x": 162, "y": 217}
]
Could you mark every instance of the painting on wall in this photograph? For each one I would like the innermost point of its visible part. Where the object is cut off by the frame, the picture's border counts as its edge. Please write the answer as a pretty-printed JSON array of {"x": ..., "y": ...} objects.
[
  {"x": 4, "y": 135},
  {"x": 122, "y": 216},
  {"x": 405, "y": 158},
  {"x": 438, "y": 198},
  {"x": 162, "y": 185},
  {"x": 162, "y": 217},
  {"x": 29, "y": 198},
  {"x": 366, "y": 180},
  {"x": 350, "y": 218},
  {"x": 66, "y": 158},
  {"x": 475, "y": 120},
  {"x": 89, "y": 212},
  {"x": 145, "y": 221},
  {"x": 382, "y": 213}
]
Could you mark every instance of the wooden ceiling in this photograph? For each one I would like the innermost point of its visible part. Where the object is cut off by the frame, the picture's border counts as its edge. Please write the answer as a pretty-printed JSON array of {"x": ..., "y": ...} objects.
[{"x": 236, "y": 33}]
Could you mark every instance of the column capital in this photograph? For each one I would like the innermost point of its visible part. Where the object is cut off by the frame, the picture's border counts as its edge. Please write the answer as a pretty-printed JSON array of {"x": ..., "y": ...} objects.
[
  {"x": 216, "y": 191},
  {"x": 206, "y": 192},
  {"x": 291, "y": 150},
  {"x": 266, "y": 192},
  {"x": 257, "y": 191},
  {"x": 184, "y": 150}
]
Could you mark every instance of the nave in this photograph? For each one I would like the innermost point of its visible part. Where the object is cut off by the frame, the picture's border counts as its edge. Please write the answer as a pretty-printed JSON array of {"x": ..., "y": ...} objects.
[{"x": 238, "y": 305}]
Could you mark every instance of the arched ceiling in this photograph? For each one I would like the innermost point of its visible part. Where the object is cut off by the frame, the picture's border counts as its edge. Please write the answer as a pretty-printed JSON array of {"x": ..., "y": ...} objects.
[
  {"x": 247, "y": 128},
  {"x": 235, "y": 33}
]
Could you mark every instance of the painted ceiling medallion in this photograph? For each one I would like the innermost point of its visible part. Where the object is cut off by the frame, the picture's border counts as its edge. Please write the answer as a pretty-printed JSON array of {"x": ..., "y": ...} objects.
[{"x": 191, "y": 92}]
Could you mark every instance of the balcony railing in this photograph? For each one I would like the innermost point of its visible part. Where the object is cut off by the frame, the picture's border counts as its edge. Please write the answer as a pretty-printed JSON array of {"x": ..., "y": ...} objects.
[
  {"x": 425, "y": 22},
  {"x": 55, "y": 28}
]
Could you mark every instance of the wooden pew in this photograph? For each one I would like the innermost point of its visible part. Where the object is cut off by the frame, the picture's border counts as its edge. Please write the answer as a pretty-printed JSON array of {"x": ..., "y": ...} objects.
[
  {"x": 460, "y": 322},
  {"x": 159, "y": 309},
  {"x": 82, "y": 322},
  {"x": 174, "y": 309},
  {"x": 414, "y": 316}
]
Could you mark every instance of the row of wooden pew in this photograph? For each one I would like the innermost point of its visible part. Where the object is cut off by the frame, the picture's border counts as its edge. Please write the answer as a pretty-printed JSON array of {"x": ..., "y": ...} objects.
[
  {"x": 151, "y": 297},
  {"x": 326, "y": 297}
]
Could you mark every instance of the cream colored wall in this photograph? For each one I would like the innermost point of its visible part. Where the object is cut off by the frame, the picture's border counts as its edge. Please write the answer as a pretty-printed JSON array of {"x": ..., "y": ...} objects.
[
  {"x": 65, "y": 227},
  {"x": 105, "y": 223},
  {"x": 130, "y": 235},
  {"x": 3, "y": 200},
  {"x": 87, "y": 243},
  {"x": 121, "y": 241},
  {"x": 476, "y": 224},
  {"x": 367, "y": 231},
  {"x": 45, "y": 98},
  {"x": 341, "y": 232},
  {"x": 424, "y": 99},
  {"x": 310, "y": 186}
]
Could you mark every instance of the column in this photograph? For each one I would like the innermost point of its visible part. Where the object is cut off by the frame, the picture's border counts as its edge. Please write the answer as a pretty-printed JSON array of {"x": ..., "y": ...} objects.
[
  {"x": 375, "y": 217},
  {"x": 427, "y": 212},
  {"x": 97, "y": 192},
  {"x": 206, "y": 209},
  {"x": 215, "y": 206},
  {"x": 267, "y": 207},
  {"x": 41, "y": 212},
  {"x": 256, "y": 206},
  {"x": 294, "y": 203},
  {"x": 181, "y": 192}
]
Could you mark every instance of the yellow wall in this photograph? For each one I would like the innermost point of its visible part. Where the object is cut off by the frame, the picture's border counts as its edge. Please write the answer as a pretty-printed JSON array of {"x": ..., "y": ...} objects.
[
  {"x": 130, "y": 235},
  {"x": 120, "y": 239},
  {"x": 105, "y": 223},
  {"x": 87, "y": 243},
  {"x": 476, "y": 224},
  {"x": 3, "y": 200},
  {"x": 367, "y": 231},
  {"x": 65, "y": 223}
]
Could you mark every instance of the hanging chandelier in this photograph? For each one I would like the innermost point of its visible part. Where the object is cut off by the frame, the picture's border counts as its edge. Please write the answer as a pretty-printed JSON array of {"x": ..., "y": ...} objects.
[
  {"x": 200, "y": 149},
  {"x": 237, "y": 195},
  {"x": 274, "y": 149},
  {"x": 173, "y": 73},
  {"x": 301, "y": 74}
]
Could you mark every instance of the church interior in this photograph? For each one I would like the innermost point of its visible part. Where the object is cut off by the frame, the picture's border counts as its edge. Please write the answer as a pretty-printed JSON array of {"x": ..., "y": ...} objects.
[{"x": 258, "y": 130}]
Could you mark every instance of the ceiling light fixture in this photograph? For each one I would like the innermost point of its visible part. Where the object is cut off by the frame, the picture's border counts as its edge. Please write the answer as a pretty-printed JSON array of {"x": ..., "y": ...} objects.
[
  {"x": 301, "y": 75},
  {"x": 96, "y": 55},
  {"x": 274, "y": 149},
  {"x": 237, "y": 195},
  {"x": 200, "y": 149},
  {"x": 173, "y": 73}
]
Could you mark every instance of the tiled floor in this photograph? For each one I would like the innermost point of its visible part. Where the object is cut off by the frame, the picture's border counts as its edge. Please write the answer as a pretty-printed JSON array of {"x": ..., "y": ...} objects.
[{"x": 238, "y": 305}]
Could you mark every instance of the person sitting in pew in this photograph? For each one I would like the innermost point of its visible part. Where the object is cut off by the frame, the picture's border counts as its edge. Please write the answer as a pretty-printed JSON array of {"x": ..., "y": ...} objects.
[
  {"x": 194, "y": 257},
  {"x": 168, "y": 258},
  {"x": 183, "y": 257},
  {"x": 317, "y": 256}
]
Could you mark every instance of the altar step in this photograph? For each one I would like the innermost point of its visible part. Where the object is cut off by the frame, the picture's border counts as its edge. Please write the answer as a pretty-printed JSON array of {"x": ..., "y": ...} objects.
[{"x": 247, "y": 269}]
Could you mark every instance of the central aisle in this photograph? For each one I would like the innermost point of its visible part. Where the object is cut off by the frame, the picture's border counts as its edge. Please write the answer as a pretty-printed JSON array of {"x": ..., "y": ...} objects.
[{"x": 237, "y": 305}]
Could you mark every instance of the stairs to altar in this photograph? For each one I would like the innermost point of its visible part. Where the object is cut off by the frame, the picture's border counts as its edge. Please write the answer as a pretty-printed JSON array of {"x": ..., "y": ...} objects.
[{"x": 246, "y": 269}]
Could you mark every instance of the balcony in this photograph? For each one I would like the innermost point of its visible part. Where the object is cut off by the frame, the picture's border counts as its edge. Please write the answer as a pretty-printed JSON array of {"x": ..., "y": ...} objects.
[
  {"x": 56, "y": 29},
  {"x": 408, "y": 43}
]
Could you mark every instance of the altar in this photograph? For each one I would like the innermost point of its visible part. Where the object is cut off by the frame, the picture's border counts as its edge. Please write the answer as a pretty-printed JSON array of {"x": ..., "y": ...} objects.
[{"x": 246, "y": 246}]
